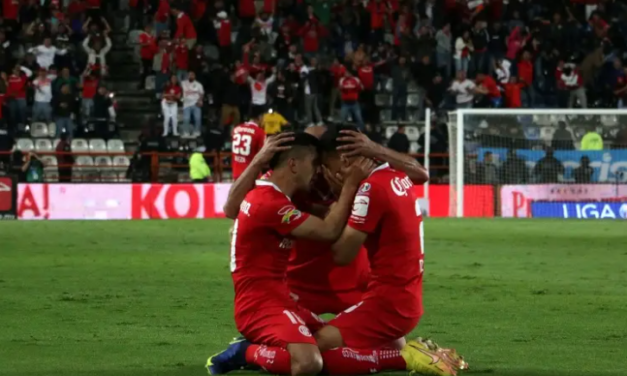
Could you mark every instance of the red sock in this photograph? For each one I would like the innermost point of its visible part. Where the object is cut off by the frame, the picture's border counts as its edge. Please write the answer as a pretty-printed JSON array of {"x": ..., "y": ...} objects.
[
  {"x": 347, "y": 361},
  {"x": 274, "y": 360}
]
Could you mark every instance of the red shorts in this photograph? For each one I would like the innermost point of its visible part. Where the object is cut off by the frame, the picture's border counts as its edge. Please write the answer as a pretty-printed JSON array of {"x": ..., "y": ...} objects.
[
  {"x": 371, "y": 324},
  {"x": 320, "y": 302},
  {"x": 279, "y": 327}
]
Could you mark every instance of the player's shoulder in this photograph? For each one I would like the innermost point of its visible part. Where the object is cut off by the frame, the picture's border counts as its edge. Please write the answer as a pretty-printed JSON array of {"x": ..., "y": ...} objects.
[{"x": 387, "y": 180}]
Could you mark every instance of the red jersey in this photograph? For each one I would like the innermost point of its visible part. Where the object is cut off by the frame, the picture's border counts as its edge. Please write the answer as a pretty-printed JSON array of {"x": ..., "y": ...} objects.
[
  {"x": 172, "y": 93},
  {"x": 248, "y": 138},
  {"x": 17, "y": 86},
  {"x": 490, "y": 85},
  {"x": 386, "y": 208},
  {"x": 247, "y": 8},
  {"x": 90, "y": 85},
  {"x": 366, "y": 76},
  {"x": 350, "y": 88},
  {"x": 93, "y": 4},
  {"x": 10, "y": 9},
  {"x": 266, "y": 216},
  {"x": 148, "y": 46},
  {"x": 163, "y": 11},
  {"x": 377, "y": 14},
  {"x": 337, "y": 71},
  {"x": 512, "y": 95},
  {"x": 184, "y": 27},
  {"x": 224, "y": 33},
  {"x": 525, "y": 72},
  {"x": 311, "y": 33},
  {"x": 181, "y": 56}
]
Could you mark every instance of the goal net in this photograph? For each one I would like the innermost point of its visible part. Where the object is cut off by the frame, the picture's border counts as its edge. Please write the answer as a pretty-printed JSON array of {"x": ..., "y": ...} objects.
[{"x": 538, "y": 163}]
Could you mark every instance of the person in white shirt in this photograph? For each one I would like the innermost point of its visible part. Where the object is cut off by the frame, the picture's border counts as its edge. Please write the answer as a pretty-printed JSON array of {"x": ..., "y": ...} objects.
[
  {"x": 42, "y": 110},
  {"x": 46, "y": 52},
  {"x": 502, "y": 70},
  {"x": 464, "y": 90},
  {"x": 97, "y": 52},
  {"x": 193, "y": 94},
  {"x": 170, "y": 106},
  {"x": 259, "y": 91}
]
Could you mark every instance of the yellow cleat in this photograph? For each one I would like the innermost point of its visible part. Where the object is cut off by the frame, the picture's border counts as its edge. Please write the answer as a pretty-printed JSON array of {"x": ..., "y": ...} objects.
[
  {"x": 449, "y": 354},
  {"x": 424, "y": 360}
]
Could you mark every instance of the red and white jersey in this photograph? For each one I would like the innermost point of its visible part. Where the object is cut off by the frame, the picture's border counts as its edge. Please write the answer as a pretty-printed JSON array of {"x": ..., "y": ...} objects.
[
  {"x": 259, "y": 90},
  {"x": 266, "y": 217},
  {"x": 171, "y": 93},
  {"x": 386, "y": 208},
  {"x": 248, "y": 139},
  {"x": 350, "y": 87}
]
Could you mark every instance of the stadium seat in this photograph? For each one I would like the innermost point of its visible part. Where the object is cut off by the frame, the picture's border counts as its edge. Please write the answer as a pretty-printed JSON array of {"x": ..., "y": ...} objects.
[
  {"x": 133, "y": 37},
  {"x": 121, "y": 162},
  {"x": 546, "y": 134},
  {"x": 77, "y": 175},
  {"x": 412, "y": 116},
  {"x": 412, "y": 133},
  {"x": 609, "y": 120},
  {"x": 389, "y": 131},
  {"x": 103, "y": 161},
  {"x": 383, "y": 100},
  {"x": 542, "y": 120},
  {"x": 52, "y": 129},
  {"x": 385, "y": 115},
  {"x": 413, "y": 100},
  {"x": 25, "y": 144},
  {"x": 183, "y": 177},
  {"x": 122, "y": 177},
  {"x": 554, "y": 119},
  {"x": 50, "y": 162},
  {"x": 79, "y": 145},
  {"x": 43, "y": 145},
  {"x": 387, "y": 85},
  {"x": 115, "y": 146},
  {"x": 97, "y": 145},
  {"x": 109, "y": 177},
  {"x": 412, "y": 87},
  {"x": 39, "y": 130},
  {"x": 51, "y": 176},
  {"x": 150, "y": 83},
  {"x": 84, "y": 163},
  {"x": 414, "y": 147},
  {"x": 579, "y": 132}
]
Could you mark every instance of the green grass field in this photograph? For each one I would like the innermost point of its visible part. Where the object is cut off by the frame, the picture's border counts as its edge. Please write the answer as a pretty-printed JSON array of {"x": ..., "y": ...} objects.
[{"x": 516, "y": 297}]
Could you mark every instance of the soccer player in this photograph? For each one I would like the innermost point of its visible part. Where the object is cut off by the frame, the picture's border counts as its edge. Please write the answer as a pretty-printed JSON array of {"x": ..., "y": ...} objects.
[
  {"x": 248, "y": 138},
  {"x": 315, "y": 282}
]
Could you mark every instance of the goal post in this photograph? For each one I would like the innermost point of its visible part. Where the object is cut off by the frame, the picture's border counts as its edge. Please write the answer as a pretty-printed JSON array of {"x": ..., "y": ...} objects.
[{"x": 498, "y": 149}]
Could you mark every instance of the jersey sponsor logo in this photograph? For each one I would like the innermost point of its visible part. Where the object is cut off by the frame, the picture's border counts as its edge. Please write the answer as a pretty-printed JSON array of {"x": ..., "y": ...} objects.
[
  {"x": 360, "y": 206},
  {"x": 286, "y": 244},
  {"x": 364, "y": 188},
  {"x": 401, "y": 186},
  {"x": 245, "y": 208},
  {"x": 304, "y": 331},
  {"x": 289, "y": 214},
  {"x": 352, "y": 354}
]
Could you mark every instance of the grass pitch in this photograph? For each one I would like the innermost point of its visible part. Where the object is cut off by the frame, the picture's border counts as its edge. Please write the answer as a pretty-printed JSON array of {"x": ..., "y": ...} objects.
[{"x": 516, "y": 297}]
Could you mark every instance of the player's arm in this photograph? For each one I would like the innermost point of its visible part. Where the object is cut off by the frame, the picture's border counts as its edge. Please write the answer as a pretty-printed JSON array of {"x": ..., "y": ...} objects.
[
  {"x": 246, "y": 181},
  {"x": 359, "y": 144},
  {"x": 346, "y": 248},
  {"x": 330, "y": 228}
]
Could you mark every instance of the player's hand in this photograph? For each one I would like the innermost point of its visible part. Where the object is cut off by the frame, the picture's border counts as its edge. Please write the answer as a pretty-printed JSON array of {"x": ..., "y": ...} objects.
[
  {"x": 357, "y": 144},
  {"x": 273, "y": 145},
  {"x": 358, "y": 171},
  {"x": 335, "y": 181}
]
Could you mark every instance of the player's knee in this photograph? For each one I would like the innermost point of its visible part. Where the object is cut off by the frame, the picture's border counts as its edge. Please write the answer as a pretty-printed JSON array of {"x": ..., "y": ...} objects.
[
  {"x": 329, "y": 338},
  {"x": 307, "y": 365}
]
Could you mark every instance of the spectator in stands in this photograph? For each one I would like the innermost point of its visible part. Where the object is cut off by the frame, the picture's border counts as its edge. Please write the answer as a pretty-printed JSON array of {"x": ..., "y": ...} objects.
[
  {"x": 231, "y": 102},
  {"x": 223, "y": 27},
  {"x": 399, "y": 141},
  {"x": 502, "y": 70},
  {"x": 525, "y": 76},
  {"x": 592, "y": 140},
  {"x": 337, "y": 71},
  {"x": 311, "y": 80},
  {"x": 64, "y": 79},
  {"x": 401, "y": 75},
  {"x": 181, "y": 59},
  {"x": 548, "y": 169},
  {"x": 193, "y": 95},
  {"x": 42, "y": 110},
  {"x": 169, "y": 106},
  {"x": 514, "y": 169},
  {"x": 199, "y": 171},
  {"x": 259, "y": 91},
  {"x": 96, "y": 50},
  {"x": 162, "y": 64},
  {"x": 513, "y": 93},
  {"x": 444, "y": 49},
  {"x": 583, "y": 173},
  {"x": 463, "y": 51},
  {"x": 16, "y": 92},
  {"x": 65, "y": 160},
  {"x": 63, "y": 110},
  {"x": 46, "y": 53},
  {"x": 374, "y": 133},
  {"x": 103, "y": 112},
  {"x": 487, "y": 172},
  {"x": 184, "y": 27},
  {"x": 89, "y": 86},
  {"x": 147, "y": 52},
  {"x": 562, "y": 138},
  {"x": 273, "y": 122},
  {"x": 488, "y": 88},
  {"x": 350, "y": 87},
  {"x": 20, "y": 162},
  {"x": 436, "y": 92},
  {"x": 480, "y": 40},
  {"x": 574, "y": 84},
  {"x": 463, "y": 89}
]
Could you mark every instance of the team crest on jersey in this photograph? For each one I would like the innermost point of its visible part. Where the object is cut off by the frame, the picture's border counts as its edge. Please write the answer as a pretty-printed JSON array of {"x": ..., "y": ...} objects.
[
  {"x": 364, "y": 188},
  {"x": 289, "y": 214}
]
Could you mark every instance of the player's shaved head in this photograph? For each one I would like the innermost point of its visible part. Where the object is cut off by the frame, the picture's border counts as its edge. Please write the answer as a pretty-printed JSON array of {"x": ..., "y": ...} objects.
[
  {"x": 316, "y": 130},
  {"x": 302, "y": 145}
]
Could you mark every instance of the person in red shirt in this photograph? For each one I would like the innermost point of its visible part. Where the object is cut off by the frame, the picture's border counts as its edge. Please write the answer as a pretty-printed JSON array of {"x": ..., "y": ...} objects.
[
  {"x": 247, "y": 140},
  {"x": 311, "y": 32},
  {"x": 16, "y": 93},
  {"x": 350, "y": 87},
  {"x": 280, "y": 329},
  {"x": 161, "y": 17},
  {"x": 10, "y": 12},
  {"x": 223, "y": 26},
  {"x": 337, "y": 72},
  {"x": 147, "y": 52},
  {"x": 181, "y": 59},
  {"x": 513, "y": 91},
  {"x": 89, "y": 87},
  {"x": 365, "y": 72},
  {"x": 378, "y": 10},
  {"x": 488, "y": 87},
  {"x": 184, "y": 28},
  {"x": 247, "y": 11},
  {"x": 169, "y": 106},
  {"x": 137, "y": 8},
  {"x": 525, "y": 75}
]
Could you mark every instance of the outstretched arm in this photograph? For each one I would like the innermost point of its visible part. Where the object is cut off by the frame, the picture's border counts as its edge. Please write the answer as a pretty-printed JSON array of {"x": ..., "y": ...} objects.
[
  {"x": 360, "y": 144},
  {"x": 246, "y": 181}
]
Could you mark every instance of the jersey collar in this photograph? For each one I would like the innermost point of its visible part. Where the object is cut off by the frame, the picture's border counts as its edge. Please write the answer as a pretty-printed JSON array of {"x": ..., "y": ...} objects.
[
  {"x": 265, "y": 183},
  {"x": 252, "y": 123},
  {"x": 379, "y": 168}
]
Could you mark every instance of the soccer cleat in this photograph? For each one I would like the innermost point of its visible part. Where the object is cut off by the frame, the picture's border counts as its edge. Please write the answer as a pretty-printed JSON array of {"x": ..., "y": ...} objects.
[
  {"x": 426, "y": 361},
  {"x": 449, "y": 354},
  {"x": 231, "y": 359}
]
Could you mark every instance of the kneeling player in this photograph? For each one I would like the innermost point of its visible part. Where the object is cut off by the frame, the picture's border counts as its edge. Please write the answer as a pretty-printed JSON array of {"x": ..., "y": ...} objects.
[{"x": 267, "y": 316}]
